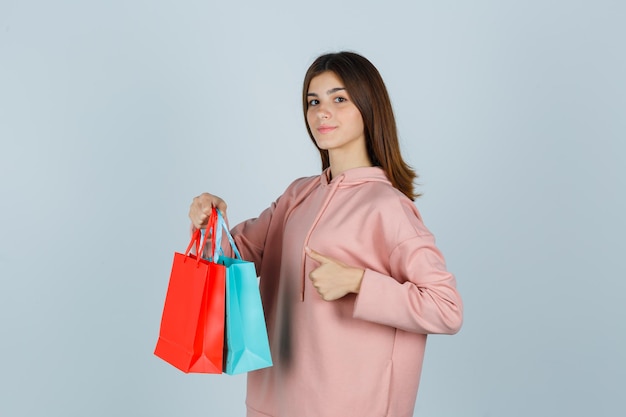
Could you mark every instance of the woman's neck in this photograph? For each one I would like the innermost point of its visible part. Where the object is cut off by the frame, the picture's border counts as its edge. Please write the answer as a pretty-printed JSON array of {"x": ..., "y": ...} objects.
[{"x": 341, "y": 163}]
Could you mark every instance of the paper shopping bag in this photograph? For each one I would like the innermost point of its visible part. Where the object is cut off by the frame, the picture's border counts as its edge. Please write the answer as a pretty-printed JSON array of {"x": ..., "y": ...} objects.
[
  {"x": 247, "y": 345},
  {"x": 191, "y": 337}
]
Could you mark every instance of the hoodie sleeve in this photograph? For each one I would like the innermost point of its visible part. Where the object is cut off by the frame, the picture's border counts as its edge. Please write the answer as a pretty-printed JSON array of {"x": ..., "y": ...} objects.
[
  {"x": 250, "y": 236},
  {"x": 419, "y": 297}
]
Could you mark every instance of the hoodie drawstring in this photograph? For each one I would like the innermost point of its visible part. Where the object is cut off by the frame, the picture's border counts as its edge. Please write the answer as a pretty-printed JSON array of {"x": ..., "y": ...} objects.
[{"x": 326, "y": 203}]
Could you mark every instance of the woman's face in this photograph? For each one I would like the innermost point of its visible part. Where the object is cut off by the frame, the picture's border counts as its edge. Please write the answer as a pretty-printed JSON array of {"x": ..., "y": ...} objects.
[{"x": 334, "y": 120}]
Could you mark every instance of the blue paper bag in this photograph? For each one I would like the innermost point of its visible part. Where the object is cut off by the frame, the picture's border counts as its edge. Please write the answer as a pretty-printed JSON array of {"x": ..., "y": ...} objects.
[{"x": 247, "y": 344}]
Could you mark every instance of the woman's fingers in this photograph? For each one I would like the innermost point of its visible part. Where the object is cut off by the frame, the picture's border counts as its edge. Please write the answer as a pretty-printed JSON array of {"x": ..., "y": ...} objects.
[{"x": 201, "y": 208}]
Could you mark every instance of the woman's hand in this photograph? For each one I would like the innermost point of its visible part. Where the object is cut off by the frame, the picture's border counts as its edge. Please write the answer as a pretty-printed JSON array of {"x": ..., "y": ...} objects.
[
  {"x": 201, "y": 208},
  {"x": 334, "y": 279}
]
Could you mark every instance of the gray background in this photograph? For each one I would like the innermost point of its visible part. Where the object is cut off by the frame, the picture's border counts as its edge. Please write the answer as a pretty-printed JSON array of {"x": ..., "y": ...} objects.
[{"x": 114, "y": 114}]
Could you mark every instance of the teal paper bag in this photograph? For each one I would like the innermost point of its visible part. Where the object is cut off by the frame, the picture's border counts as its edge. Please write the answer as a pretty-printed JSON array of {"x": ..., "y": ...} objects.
[
  {"x": 246, "y": 335},
  {"x": 247, "y": 344}
]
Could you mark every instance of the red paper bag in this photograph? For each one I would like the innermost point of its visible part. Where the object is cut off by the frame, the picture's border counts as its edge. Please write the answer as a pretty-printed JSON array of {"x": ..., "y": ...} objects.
[{"x": 192, "y": 326}]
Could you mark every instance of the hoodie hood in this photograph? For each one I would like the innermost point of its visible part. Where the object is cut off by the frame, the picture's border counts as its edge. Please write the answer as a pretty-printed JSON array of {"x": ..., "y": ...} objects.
[{"x": 354, "y": 176}]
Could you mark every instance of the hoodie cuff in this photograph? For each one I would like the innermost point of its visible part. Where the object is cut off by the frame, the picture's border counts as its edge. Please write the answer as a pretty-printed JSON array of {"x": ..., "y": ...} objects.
[{"x": 374, "y": 288}]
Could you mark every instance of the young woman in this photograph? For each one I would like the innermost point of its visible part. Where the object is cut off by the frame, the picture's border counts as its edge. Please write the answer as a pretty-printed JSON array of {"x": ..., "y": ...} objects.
[{"x": 351, "y": 279}]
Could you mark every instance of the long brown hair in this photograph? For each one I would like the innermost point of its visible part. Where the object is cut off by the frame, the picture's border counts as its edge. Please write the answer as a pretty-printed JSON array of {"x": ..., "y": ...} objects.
[{"x": 368, "y": 92}]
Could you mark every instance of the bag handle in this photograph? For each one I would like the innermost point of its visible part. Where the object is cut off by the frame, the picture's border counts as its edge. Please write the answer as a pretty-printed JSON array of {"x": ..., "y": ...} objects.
[
  {"x": 223, "y": 226},
  {"x": 195, "y": 238},
  {"x": 214, "y": 230},
  {"x": 200, "y": 236},
  {"x": 216, "y": 236},
  {"x": 216, "y": 227}
]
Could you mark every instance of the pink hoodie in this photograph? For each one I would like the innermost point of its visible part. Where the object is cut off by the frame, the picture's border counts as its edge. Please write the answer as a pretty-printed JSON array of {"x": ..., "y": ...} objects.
[{"x": 360, "y": 355}]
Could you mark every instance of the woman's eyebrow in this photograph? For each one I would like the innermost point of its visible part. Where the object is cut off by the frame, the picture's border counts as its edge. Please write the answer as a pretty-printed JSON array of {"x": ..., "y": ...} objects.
[{"x": 329, "y": 92}]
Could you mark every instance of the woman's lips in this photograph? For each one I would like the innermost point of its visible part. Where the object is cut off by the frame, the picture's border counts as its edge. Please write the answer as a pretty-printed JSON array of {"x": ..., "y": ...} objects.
[{"x": 325, "y": 129}]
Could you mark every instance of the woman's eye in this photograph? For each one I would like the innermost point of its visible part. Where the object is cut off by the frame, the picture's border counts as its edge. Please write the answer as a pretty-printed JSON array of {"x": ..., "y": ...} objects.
[
  {"x": 314, "y": 102},
  {"x": 340, "y": 99}
]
